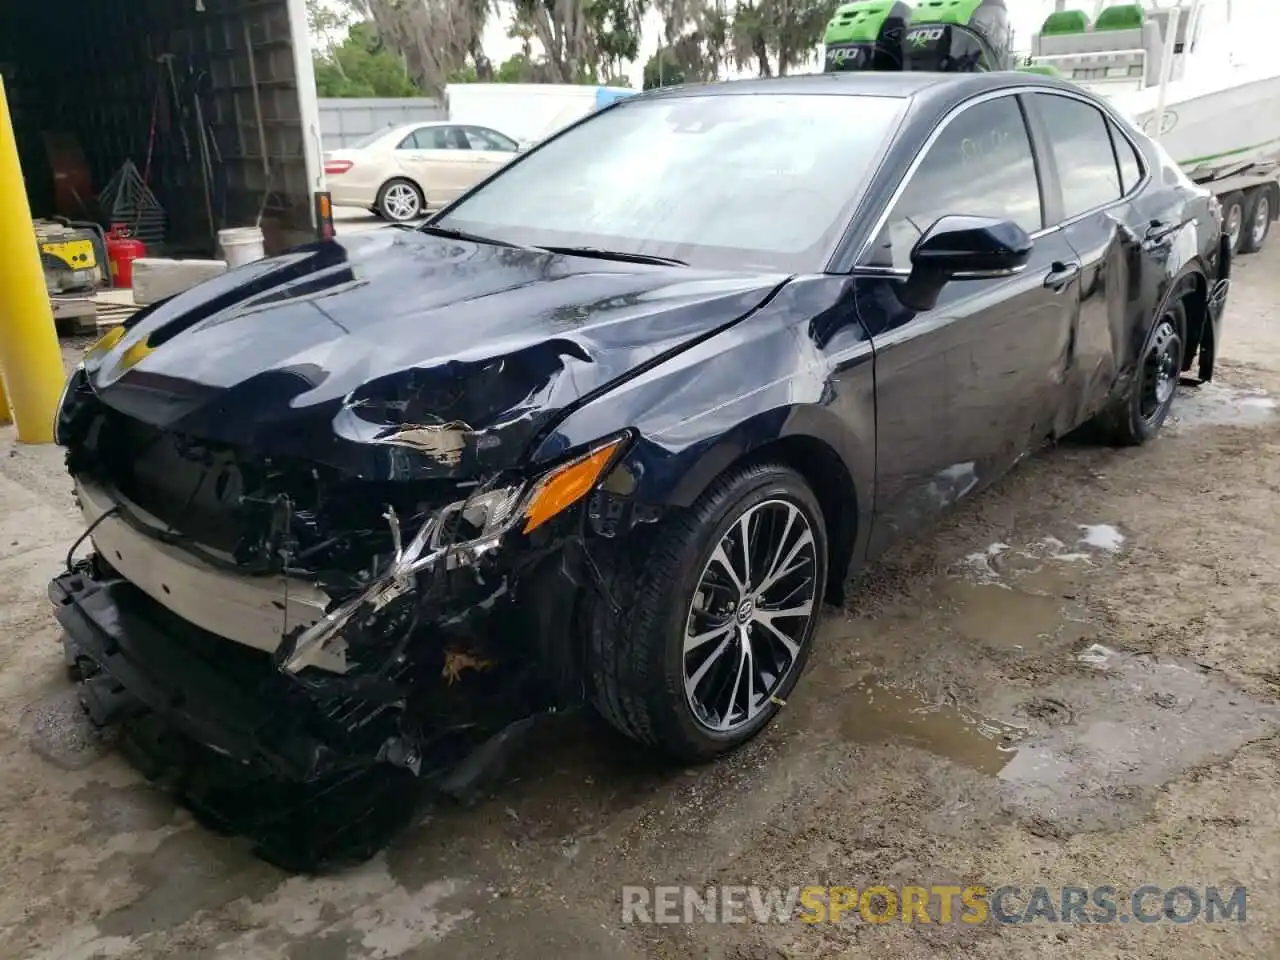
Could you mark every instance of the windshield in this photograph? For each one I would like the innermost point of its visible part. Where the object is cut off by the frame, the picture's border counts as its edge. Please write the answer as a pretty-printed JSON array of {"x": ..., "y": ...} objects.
[{"x": 727, "y": 181}]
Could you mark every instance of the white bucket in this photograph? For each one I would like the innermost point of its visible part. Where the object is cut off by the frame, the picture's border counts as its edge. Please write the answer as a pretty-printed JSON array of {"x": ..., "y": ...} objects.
[{"x": 241, "y": 245}]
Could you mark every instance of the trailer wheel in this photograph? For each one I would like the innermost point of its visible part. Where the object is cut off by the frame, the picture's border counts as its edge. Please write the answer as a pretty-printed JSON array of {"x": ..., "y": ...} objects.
[
  {"x": 1233, "y": 220},
  {"x": 1258, "y": 211}
]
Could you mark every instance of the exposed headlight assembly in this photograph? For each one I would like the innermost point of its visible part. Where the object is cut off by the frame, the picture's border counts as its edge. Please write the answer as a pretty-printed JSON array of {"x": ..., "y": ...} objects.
[{"x": 460, "y": 534}]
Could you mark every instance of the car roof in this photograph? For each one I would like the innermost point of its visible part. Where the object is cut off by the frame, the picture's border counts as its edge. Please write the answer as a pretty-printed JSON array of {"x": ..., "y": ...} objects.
[
  {"x": 901, "y": 84},
  {"x": 420, "y": 124}
]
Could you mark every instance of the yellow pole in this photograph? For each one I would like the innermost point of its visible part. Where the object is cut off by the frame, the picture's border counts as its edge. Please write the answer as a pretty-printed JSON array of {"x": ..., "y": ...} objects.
[{"x": 30, "y": 359}]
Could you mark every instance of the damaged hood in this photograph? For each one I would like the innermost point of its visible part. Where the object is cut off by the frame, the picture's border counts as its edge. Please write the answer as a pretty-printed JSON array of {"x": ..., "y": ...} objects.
[{"x": 398, "y": 354}]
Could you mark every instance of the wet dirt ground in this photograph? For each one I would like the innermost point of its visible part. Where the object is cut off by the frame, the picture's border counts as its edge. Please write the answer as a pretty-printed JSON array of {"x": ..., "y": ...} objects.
[{"x": 1073, "y": 680}]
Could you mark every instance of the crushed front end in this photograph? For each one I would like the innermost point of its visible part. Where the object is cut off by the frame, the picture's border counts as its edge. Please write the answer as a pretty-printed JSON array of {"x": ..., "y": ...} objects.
[{"x": 298, "y": 650}]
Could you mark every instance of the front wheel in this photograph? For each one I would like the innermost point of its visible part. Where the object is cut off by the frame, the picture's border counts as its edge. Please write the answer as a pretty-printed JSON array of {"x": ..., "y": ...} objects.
[
  {"x": 1139, "y": 411},
  {"x": 720, "y": 620}
]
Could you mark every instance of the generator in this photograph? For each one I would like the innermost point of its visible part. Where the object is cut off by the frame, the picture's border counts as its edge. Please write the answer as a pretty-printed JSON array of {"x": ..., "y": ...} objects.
[{"x": 72, "y": 255}]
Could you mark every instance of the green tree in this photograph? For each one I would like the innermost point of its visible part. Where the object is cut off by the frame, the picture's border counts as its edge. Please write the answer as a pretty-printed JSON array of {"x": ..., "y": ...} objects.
[
  {"x": 360, "y": 66},
  {"x": 521, "y": 68},
  {"x": 663, "y": 70},
  {"x": 434, "y": 39},
  {"x": 696, "y": 36},
  {"x": 583, "y": 40},
  {"x": 326, "y": 23},
  {"x": 778, "y": 35}
]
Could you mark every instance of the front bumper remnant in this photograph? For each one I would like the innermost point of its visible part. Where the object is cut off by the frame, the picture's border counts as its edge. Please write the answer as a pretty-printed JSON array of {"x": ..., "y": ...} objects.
[{"x": 247, "y": 748}]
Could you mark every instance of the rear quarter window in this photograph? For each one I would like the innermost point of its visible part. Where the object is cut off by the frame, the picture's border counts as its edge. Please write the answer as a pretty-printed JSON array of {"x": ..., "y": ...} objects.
[{"x": 1131, "y": 166}]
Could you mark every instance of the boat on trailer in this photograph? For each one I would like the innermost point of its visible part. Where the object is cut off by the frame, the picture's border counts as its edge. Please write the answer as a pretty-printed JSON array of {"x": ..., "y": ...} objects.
[
  {"x": 1140, "y": 58},
  {"x": 1219, "y": 122}
]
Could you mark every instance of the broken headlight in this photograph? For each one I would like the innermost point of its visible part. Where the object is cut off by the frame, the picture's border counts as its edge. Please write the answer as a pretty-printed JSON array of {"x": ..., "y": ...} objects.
[
  {"x": 459, "y": 534},
  {"x": 476, "y": 524},
  {"x": 484, "y": 516}
]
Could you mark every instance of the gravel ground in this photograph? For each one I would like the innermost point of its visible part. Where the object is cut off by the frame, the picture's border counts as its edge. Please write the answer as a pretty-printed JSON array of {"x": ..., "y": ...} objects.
[{"x": 1074, "y": 680}]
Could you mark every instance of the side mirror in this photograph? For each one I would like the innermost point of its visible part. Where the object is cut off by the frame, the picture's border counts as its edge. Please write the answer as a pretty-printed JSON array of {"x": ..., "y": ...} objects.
[{"x": 963, "y": 248}]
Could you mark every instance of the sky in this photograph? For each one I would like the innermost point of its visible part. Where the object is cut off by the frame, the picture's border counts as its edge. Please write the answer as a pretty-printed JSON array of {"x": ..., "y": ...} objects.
[{"x": 1253, "y": 24}]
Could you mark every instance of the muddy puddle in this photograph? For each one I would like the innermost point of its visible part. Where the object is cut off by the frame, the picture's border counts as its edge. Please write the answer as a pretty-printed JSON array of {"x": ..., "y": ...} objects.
[
  {"x": 1213, "y": 404},
  {"x": 1085, "y": 751},
  {"x": 1088, "y": 753},
  {"x": 1028, "y": 616},
  {"x": 879, "y": 712},
  {"x": 1027, "y": 598},
  {"x": 1139, "y": 722}
]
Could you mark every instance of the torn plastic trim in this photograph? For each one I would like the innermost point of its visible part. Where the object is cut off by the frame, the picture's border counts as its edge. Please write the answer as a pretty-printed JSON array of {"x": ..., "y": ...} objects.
[
  {"x": 406, "y": 563},
  {"x": 503, "y": 506}
]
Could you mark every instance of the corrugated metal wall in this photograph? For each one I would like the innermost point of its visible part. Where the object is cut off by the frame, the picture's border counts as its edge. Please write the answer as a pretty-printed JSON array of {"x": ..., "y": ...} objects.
[
  {"x": 93, "y": 70},
  {"x": 344, "y": 121}
]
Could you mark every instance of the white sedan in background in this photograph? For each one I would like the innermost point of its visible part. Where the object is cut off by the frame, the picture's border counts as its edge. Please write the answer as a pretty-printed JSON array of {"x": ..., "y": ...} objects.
[{"x": 402, "y": 172}]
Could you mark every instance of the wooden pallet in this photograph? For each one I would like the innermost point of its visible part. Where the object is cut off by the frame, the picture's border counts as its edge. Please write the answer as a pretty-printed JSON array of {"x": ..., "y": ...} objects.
[
  {"x": 87, "y": 313},
  {"x": 74, "y": 315},
  {"x": 114, "y": 314}
]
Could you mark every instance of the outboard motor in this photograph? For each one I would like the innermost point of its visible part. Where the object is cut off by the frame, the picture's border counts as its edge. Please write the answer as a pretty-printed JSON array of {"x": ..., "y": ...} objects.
[
  {"x": 947, "y": 36},
  {"x": 959, "y": 36},
  {"x": 866, "y": 35}
]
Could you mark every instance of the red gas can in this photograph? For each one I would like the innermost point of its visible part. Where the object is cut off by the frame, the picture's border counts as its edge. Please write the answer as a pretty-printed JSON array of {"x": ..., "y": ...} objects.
[{"x": 122, "y": 250}]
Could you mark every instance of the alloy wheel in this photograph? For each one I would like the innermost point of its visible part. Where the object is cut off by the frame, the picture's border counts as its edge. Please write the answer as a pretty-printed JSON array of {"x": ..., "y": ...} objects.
[
  {"x": 1261, "y": 220},
  {"x": 401, "y": 202},
  {"x": 1235, "y": 223},
  {"x": 750, "y": 614},
  {"x": 1160, "y": 370}
]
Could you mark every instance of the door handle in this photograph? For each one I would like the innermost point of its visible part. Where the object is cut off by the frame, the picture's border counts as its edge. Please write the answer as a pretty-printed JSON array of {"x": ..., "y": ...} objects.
[
  {"x": 1061, "y": 274},
  {"x": 1158, "y": 231}
]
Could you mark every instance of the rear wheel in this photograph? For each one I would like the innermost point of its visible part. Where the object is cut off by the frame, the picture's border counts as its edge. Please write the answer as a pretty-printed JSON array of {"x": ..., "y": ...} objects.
[
  {"x": 1137, "y": 414},
  {"x": 720, "y": 619},
  {"x": 1257, "y": 219},
  {"x": 1233, "y": 214},
  {"x": 399, "y": 200}
]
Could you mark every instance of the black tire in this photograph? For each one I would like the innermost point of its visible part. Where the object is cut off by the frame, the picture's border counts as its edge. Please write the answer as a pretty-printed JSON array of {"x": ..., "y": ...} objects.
[
  {"x": 636, "y": 655},
  {"x": 1259, "y": 208},
  {"x": 400, "y": 201},
  {"x": 1233, "y": 219},
  {"x": 1136, "y": 414}
]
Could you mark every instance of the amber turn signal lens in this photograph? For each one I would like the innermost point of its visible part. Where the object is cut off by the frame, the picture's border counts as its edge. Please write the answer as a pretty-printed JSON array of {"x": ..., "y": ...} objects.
[{"x": 566, "y": 485}]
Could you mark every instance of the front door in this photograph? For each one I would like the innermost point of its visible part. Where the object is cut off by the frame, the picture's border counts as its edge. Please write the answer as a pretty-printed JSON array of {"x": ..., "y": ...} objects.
[
  {"x": 490, "y": 149},
  {"x": 965, "y": 389},
  {"x": 440, "y": 161}
]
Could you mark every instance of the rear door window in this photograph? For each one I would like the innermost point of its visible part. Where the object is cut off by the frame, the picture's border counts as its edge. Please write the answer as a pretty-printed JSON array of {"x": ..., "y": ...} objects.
[
  {"x": 980, "y": 165},
  {"x": 1081, "y": 145}
]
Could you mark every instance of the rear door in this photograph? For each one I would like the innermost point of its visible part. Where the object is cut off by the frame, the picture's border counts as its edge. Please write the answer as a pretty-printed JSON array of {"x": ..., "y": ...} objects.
[
  {"x": 1100, "y": 171},
  {"x": 965, "y": 389}
]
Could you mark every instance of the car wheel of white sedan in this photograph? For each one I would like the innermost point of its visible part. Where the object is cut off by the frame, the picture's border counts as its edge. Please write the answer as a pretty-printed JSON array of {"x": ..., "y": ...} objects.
[{"x": 400, "y": 200}]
